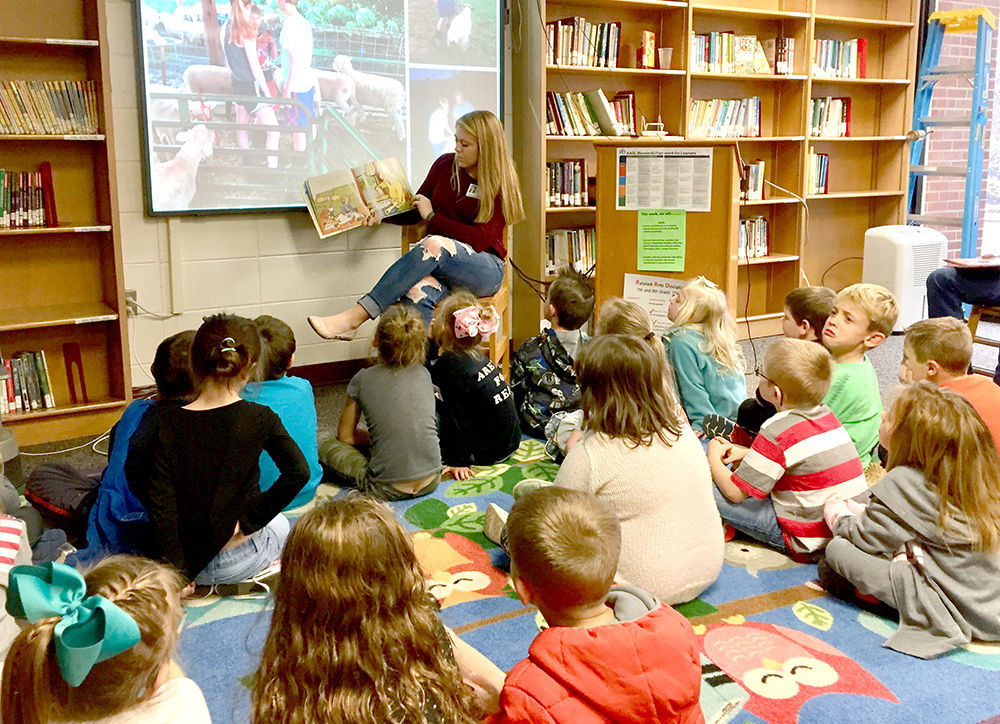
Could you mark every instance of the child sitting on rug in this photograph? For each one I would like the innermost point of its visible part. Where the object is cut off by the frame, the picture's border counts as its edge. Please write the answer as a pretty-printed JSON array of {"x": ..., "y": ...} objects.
[
  {"x": 292, "y": 400},
  {"x": 98, "y": 647},
  {"x": 801, "y": 458},
  {"x": 355, "y": 633},
  {"x": 617, "y": 316},
  {"x": 476, "y": 413},
  {"x": 609, "y": 653},
  {"x": 196, "y": 469},
  {"x": 542, "y": 376},
  {"x": 939, "y": 351},
  {"x": 806, "y": 312},
  {"x": 641, "y": 458},
  {"x": 863, "y": 317},
  {"x": 397, "y": 399},
  {"x": 927, "y": 543},
  {"x": 702, "y": 347}
]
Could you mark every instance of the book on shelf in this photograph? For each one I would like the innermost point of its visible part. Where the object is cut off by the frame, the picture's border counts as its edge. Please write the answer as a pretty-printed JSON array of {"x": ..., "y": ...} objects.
[
  {"x": 817, "y": 167},
  {"x": 724, "y": 118},
  {"x": 830, "y": 117},
  {"x": 577, "y": 41},
  {"x": 574, "y": 247},
  {"x": 626, "y": 111},
  {"x": 345, "y": 199},
  {"x": 840, "y": 58},
  {"x": 587, "y": 113},
  {"x": 753, "y": 240},
  {"x": 56, "y": 107},
  {"x": 780, "y": 54},
  {"x": 28, "y": 387},
  {"x": 26, "y": 199},
  {"x": 726, "y": 52},
  {"x": 645, "y": 54},
  {"x": 567, "y": 183},
  {"x": 755, "y": 180}
]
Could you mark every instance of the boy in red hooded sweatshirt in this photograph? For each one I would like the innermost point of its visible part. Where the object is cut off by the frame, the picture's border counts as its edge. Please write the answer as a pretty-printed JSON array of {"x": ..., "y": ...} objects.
[{"x": 611, "y": 653}]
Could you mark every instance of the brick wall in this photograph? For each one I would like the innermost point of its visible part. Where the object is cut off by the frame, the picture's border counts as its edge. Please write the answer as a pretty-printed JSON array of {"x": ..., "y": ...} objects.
[{"x": 944, "y": 196}]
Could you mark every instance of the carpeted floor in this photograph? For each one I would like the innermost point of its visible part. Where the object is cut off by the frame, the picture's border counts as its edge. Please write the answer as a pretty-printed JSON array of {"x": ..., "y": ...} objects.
[{"x": 759, "y": 623}]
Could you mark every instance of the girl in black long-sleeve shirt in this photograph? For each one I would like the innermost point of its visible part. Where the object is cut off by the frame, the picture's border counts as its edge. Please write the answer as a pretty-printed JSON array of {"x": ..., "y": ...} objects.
[{"x": 196, "y": 469}]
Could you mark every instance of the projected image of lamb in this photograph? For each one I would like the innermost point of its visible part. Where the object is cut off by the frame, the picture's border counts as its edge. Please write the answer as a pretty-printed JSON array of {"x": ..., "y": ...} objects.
[
  {"x": 454, "y": 32},
  {"x": 288, "y": 90}
]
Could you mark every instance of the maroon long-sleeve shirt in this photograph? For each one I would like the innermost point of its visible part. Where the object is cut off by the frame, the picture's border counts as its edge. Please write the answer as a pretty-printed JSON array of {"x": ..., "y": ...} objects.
[{"x": 455, "y": 210}]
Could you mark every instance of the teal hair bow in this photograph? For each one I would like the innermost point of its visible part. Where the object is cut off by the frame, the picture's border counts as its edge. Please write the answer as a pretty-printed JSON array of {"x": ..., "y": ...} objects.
[{"x": 93, "y": 629}]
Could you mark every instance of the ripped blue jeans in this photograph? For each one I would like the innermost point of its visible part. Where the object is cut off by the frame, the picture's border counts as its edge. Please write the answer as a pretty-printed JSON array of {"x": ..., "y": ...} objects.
[{"x": 429, "y": 271}]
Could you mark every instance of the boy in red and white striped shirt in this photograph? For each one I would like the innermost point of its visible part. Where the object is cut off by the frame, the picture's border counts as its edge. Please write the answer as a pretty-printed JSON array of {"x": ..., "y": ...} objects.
[{"x": 802, "y": 457}]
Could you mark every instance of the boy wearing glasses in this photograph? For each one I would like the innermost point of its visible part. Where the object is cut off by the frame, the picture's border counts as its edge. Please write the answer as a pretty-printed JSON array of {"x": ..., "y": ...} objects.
[{"x": 801, "y": 458}]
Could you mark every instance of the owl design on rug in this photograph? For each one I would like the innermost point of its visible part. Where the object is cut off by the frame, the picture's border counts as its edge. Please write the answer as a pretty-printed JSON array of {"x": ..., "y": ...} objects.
[
  {"x": 755, "y": 557},
  {"x": 457, "y": 569},
  {"x": 782, "y": 668}
]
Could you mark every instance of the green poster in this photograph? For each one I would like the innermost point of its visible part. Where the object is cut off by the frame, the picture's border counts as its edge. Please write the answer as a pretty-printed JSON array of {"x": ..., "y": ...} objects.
[{"x": 661, "y": 239}]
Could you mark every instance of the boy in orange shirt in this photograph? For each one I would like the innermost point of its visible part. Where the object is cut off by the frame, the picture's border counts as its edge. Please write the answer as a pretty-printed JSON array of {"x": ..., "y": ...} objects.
[{"x": 939, "y": 350}]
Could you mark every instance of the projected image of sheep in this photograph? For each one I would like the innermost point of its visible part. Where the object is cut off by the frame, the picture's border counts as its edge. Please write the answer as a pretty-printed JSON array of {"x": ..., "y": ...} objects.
[{"x": 289, "y": 91}]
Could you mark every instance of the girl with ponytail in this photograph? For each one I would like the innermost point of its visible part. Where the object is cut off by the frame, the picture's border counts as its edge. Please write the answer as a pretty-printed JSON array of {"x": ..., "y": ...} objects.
[{"x": 196, "y": 468}]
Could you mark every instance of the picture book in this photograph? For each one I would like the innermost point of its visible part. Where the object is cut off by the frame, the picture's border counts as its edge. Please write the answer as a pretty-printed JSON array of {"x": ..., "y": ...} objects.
[{"x": 345, "y": 199}]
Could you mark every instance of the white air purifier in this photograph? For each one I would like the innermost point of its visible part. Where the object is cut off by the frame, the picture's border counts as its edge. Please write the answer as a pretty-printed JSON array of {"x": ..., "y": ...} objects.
[{"x": 900, "y": 258}]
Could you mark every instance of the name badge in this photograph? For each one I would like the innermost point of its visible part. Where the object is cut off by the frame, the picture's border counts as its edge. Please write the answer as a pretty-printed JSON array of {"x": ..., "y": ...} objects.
[{"x": 472, "y": 191}]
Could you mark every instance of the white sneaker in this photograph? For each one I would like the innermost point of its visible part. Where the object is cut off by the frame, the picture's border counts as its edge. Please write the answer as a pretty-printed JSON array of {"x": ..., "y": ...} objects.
[
  {"x": 528, "y": 485},
  {"x": 494, "y": 522}
]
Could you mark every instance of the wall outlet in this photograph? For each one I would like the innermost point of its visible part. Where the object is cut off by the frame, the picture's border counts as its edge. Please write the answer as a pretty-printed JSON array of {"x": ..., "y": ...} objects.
[{"x": 131, "y": 302}]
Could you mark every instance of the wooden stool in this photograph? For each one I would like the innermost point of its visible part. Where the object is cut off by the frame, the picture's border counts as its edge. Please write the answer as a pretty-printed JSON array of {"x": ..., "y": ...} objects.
[
  {"x": 497, "y": 347},
  {"x": 978, "y": 312}
]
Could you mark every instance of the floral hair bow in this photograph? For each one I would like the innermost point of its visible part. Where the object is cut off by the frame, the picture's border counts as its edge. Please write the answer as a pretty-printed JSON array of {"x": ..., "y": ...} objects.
[
  {"x": 93, "y": 629},
  {"x": 469, "y": 323}
]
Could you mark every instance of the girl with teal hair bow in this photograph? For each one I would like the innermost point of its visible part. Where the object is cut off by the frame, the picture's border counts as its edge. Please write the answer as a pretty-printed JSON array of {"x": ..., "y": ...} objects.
[{"x": 98, "y": 647}]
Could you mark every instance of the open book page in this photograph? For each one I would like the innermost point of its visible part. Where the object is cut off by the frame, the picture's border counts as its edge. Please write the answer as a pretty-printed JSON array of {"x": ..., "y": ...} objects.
[
  {"x": 979, "y": 262},
  {"x": 385, "y": 187},
  {"x": 335, "y": 202}
]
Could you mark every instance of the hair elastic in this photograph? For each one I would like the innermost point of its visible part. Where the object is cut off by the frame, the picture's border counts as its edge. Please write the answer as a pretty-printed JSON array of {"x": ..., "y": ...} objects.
[
  {"x": 92, "y": 629},
  {"x": 469, "y": 322},
  {"x": 228, "y": 345}
]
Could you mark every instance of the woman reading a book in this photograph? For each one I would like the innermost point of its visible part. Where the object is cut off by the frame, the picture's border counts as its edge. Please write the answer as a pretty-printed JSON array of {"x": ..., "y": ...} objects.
[
  {"x": 964, "y": 281},
  {"x": 467, "y": 199}
]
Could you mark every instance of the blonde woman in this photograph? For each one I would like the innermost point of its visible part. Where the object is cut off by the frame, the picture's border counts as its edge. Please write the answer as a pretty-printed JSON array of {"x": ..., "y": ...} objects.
[
  {"x": 467, "y": 200},
  {"x": 702, "y": 348}
]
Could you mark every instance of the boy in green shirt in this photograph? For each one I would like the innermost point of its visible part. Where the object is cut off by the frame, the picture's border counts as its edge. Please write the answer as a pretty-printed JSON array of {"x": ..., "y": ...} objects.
[{"x": 862, "y": 319}]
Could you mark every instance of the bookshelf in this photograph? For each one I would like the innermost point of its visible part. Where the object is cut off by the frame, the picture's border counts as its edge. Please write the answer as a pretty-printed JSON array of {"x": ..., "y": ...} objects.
[
  {"x": 63, "y": 286},
  {"x": 868, "y": 169}
]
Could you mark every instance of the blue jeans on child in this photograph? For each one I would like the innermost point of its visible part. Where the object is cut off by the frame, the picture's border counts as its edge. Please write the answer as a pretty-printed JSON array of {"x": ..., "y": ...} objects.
[
  {"x": 428, "y": 271},
  {"x": 948, "y": 288},
  {"x": 754, "y": 516},
  {"x": 246, "y": 559}
]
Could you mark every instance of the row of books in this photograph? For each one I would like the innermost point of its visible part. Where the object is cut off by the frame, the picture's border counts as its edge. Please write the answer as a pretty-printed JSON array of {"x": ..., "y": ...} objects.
[
  {"x": 577, "y": 41},
  {"x": 817, "y": 168},
  {"x": 830, "y": 117},
  {"x": 727, "y": 52},
  {"x": 569, "y": 246},
  {"x": 26, "y": 199},
  {"x": 724, "y": 118},
  {"x": 753, "y": 241},
  {"x": 840, "y": 58},
  {"x": 590, "y": 113},
  {"x": 755, "y": 180},
  {"x": 27, "y": 387},
  {"x": 568, "y": 182},
  {"x": 54, "y": 107}
]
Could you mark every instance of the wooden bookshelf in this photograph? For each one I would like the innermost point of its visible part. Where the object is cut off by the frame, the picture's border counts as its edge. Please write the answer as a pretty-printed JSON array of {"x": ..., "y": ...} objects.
[
  {"x": 868, "y": 169},
  {"x": 64, "y": 285}
]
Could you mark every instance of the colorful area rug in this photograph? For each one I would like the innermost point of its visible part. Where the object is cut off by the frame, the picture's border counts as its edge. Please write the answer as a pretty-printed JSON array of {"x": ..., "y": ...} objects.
[{"x": 775, "y": 648}]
